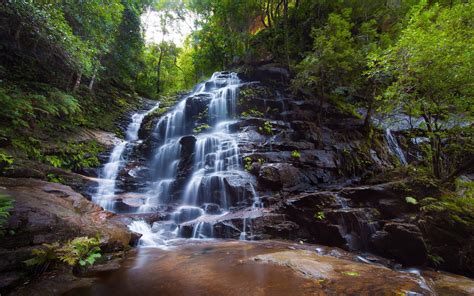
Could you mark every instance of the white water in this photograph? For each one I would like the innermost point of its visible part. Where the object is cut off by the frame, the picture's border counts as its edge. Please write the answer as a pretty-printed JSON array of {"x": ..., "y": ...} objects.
[
  {"x": 394, "y": 147},
  {"x": 108, "y": 175},
  {"x": 216, "y": 157}
]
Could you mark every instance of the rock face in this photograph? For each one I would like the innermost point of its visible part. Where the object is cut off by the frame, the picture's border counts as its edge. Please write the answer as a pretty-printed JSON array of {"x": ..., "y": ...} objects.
[{"x": 49, "y": 212}]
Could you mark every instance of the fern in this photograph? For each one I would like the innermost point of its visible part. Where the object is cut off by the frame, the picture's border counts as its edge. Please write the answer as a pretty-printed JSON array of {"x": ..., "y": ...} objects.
[
  {"x": 6, "y": 204},
  {"x": 81, "y": 250},
  {"x": 43, "y": 257}
]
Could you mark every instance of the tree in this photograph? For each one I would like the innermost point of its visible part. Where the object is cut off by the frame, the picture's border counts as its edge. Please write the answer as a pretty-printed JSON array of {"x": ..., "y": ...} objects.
[
  {"x": 333, "y": 61},
  {"x": 433, "y": 67}
]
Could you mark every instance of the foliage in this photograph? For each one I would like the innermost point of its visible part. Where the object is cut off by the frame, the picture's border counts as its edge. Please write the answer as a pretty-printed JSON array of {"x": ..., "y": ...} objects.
[
  {"x": 54, "y": 178},
  {"x": 333, "y": 59},
  {"x": 432, "y": 68},
  {"x": 267, "y": 128},
  {"x": 248, "y": 162},
  {"x": 252, "y": 113},
  {"x": 5, "y": 159},
  {"x": 201, "y": 127},
  {"x": 43, "y": 257},
  {"x": 20, "y": 108},
  {"x": 6, "y": 204},
  {"x": 295, "y": 154},
  {"x": 320, "y": 215},
  {"x": 459, "y": 210},
  {"x": 350, "y": 273},
  {"x": 76, "y": 156},
  {"x": 81, "y": 250},
  {"x": 411, "y": 200}
]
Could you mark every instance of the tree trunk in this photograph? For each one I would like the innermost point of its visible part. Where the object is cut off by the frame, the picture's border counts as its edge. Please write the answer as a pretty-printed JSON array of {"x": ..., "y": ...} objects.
[
  {"x": 78, "y": 81},
  {"x": 158, "y": 71},
  {"x": 91, "y": 83},
  {"x": 370, "y": 108},
  {"x": 435, "y": 147},
  {"x": 287, "y": 45}
]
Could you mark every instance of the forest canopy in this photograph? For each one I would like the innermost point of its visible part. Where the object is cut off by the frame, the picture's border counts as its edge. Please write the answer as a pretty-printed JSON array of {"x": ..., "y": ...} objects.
[{"x": 413, "y": 56}]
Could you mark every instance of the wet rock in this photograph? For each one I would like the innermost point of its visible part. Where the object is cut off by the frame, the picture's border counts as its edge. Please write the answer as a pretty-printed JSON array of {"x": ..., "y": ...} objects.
[
  {"x": 164, "y": 226},
  {"x": 450, "y": 284},
  {"x": 343, "y": 276},
  {"x": 185, "y": 166},
  {"x": 196, "y": 105},
  {"x": 355, "y": 226},
  {"x": 211, "y": 209},
  {"x": 99, "y": 269},
  {"x": 186, "y": 213},
  {"x": 401, "y": 241},
  {"x": 282, "y": 176}
]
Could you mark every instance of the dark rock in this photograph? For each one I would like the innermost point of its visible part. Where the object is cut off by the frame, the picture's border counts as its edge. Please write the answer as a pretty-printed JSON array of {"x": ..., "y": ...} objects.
[
  {"x": 196, "y": 105},
  {"x": 211, "y": 209},
  {"x": 135, "y": 237},
  {"x": 9, "y": 280},
  {"x": 98, "y": 270},
  {"x": 282, "y": 176},
  {"x": 24, "y": 172},
  {"x": 272, "y": 74},
  {"x": 401, "y": 241},
  {"x": 185, "y": 166}
]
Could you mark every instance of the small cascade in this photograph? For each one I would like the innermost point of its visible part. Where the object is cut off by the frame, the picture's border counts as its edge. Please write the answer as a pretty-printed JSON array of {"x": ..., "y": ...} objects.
[
  {"x": 394, "y": 147},
  {"x": 108, "y": 175},
  {"x": 257, "y": 204}
]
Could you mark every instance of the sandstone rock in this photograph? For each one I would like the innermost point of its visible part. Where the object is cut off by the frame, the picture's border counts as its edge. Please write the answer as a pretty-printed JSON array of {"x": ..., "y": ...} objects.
[
  {"x": 343, "y": 276},
  {"x": 50, "y": 212}
]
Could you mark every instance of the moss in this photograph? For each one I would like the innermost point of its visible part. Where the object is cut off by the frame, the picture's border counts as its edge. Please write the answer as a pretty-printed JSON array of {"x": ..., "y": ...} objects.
[
  {"x": 252, "y": 113},
  {"x": 201, "y": 128}
]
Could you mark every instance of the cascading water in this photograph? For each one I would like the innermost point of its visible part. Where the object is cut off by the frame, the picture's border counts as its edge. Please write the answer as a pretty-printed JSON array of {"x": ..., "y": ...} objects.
[
  {"x": 108, "y": 175},
  {"x": 394, "y": 147},
  {"x": 205, "y": 194}
]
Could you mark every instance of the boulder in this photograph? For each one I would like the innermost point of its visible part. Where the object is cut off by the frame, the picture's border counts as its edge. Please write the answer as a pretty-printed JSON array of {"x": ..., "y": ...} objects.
[
  {"x": 50, "y": 212},
  {"x": 276, "y": 176},
  {"x": 401, "y": 241}
]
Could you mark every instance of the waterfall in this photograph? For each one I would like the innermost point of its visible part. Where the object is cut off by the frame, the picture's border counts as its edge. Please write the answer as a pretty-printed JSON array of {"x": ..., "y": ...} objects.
[
  {"x": 394, "y": 147},
  {"x": 205, "y": 195},
  {"x": 108, "y": 175}
]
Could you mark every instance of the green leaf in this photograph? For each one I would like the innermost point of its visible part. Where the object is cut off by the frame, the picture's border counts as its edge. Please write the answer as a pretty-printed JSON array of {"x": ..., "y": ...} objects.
[{"x": 411, "y": 200}]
